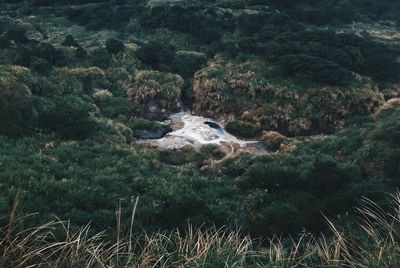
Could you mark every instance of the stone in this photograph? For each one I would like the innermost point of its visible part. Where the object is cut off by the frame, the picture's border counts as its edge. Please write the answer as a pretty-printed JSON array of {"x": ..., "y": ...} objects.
[
  {"x": 153, "y": 134},
  {"x": 212, "y": 124}
]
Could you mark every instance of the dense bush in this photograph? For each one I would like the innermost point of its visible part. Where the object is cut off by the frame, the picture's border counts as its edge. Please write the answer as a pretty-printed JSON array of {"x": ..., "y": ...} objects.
[
  {"x": 188, "y": 62},
  {"x": 16, "y": 107},
  {"x": 246, "y": 190},
  {"x": 100, "y": 58},
  {"x": 155, "y": 54},
  {"x": 87, "y": 78},
  {"x": 67, "y": 116},
  {"x": 114, "y": 46},
  {"x": 271, "y": 67},
  {"x": 116, "y": 107},
  {"x": 69, "y": 41},
  {"x": 246, "y": 90},
  {"x": 308, "y": 68},
  {"x": 156, "y": 88},
  {"x": 243, "y": 129},
  {"x": 50, "y": 53},
  {"x": 17, "y": 34},
  {"x": 40, "y": 65}
]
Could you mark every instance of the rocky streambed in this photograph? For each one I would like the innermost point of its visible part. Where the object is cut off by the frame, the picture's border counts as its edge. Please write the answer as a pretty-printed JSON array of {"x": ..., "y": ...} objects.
[{"x": 195, "y": 131}]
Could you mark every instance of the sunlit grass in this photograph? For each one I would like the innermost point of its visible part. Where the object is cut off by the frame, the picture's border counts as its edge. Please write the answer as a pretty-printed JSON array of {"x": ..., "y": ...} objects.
[{"x": 374, "y": 243}]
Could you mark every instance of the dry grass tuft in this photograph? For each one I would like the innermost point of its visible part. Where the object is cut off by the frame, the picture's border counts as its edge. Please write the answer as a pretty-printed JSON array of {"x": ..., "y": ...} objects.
[{"x": 56, "y": 244}]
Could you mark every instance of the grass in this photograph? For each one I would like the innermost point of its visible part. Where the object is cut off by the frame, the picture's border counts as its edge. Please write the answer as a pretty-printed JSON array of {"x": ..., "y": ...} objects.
[{"x": 374, "y": 242}]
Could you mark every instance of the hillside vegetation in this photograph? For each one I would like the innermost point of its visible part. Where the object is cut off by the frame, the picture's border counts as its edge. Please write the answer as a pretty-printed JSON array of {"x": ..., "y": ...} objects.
[
  {"x": 374, "y": 243},
  {"x": 80, "y": 79}
]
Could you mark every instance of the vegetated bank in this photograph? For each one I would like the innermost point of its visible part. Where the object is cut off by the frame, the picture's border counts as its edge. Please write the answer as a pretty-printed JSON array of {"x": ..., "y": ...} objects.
[{"x": 70, "y": 103}]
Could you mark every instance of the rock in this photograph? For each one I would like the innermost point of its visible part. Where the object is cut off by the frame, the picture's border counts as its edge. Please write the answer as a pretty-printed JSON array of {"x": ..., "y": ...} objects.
[
  {"x": 151, "y": 134},
  {"x": 176, "y": 125},
  {"x": 274, "y": 140},
  {"x": 212, "y": 124}
]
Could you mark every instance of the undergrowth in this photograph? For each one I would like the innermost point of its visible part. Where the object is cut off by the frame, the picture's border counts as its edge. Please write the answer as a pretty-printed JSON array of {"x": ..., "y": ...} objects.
[{"x": 372, "y": 242}]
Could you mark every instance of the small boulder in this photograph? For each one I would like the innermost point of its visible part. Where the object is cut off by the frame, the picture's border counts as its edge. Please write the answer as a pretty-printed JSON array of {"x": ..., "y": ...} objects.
[
  {"x": 158, "y": 133},
  {"x": 212, "y": 124}
]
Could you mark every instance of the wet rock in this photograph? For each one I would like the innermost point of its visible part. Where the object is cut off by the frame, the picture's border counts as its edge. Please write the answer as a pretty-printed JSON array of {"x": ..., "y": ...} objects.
[
  {"x": 176, "y": 124},
  {"x": 212, "y": 125},
  {"x": 151, "y": 134}
]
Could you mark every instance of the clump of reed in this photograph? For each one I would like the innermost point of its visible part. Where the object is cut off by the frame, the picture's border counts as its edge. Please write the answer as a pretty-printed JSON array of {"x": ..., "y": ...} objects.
[{"x": 56, "y": 244}]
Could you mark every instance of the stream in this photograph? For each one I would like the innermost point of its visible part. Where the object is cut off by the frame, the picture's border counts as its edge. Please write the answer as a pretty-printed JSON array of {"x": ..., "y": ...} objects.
[{"x": 195, "y": 131}]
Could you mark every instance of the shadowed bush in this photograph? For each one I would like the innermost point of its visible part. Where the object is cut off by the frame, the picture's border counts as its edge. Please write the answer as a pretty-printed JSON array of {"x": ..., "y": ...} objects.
[
  {"x": 16, "y": 102},
  {"x": 68, "y": 117},
  {"x": 114, "y": 46}
]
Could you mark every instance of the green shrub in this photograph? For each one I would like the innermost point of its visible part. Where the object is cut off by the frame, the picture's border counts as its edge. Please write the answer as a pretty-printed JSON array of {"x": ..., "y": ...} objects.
[
  {"x": 68, "y": 117},
  {"x": 387, "y": 127},
  {"x": 188, "y": 62},
  {"x": 180, "y": 157},
  {"x": 100, "y": 58},
  {"x": 114, "y": 46},
  {"x": 48, "y": 52},
  {"x": 212, "y": 151},
  {"x": 117, "y": 106},
  {"x": 69, "y": 41},
  {"x": 40, "y": 65},
  {"x": 274, "y": 140},
  {"x": 156, "y": 54},
  {"x": 162, "y": 89},
  {"x": 80, "y": 53},
  {"x": 16, "y": 107},
  {"x": 392, "y": 167},
  {"x": 4, "y": 43},
  {"x": 243, "y": 129},
  {"x": 17, "y": 34},
  {"x": 314, "y": 69},
  {"x": 90, "y": 78}
]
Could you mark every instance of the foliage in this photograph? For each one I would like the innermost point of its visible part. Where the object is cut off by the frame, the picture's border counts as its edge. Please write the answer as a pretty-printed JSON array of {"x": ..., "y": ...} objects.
[
  {"x": 90, "y": 78},
  {"x": 156, "y": 55},
  {"x": 16, "y": 107},
  {"x": 114, "y": 46},
  {"x": 67, "y": 116},
  {"x": 308, "y": 68},
  {"x": 69, "y": 41},
  {"x": 154, "y": 87},
  {"x": 243, "y": 129},
  {"x": 245, "y": 90},
  {"x": 189, "y": 62},
  {"x": 372, "y": 242}
]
